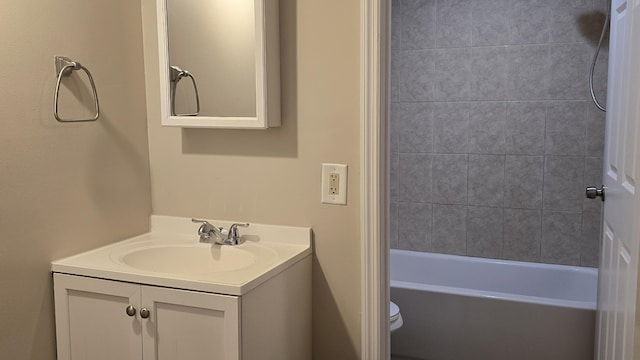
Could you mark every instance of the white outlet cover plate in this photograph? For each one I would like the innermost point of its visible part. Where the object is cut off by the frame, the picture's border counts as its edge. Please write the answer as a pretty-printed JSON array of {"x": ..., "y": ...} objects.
[{"x": 341, "y": 197}]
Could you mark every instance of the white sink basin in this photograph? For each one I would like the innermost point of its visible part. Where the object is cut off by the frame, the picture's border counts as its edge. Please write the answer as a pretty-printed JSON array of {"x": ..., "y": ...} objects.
[
  {"x": 192, "y": 259},
  {"x": 188, "y": 259},
  {"x": 171, "y": 256}
]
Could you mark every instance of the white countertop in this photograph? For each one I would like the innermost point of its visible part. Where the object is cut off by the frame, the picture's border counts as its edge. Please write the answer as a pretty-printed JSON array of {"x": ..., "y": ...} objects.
[{"x": 273, "y": 249}]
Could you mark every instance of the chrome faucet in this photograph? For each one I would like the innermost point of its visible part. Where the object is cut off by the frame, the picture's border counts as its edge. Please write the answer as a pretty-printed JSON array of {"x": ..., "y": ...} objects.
[
  {"x": 209, "y": 233},
  {"x": 233, "y": 236}
]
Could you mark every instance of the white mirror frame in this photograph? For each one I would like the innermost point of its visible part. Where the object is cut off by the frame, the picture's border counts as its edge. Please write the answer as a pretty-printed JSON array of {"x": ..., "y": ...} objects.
[{"x": 267, "y": 74}]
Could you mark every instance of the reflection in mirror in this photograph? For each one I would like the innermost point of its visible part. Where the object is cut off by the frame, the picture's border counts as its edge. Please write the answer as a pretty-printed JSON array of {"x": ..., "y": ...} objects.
[
  {"x": 212, "y": 43},
  {"x": 175, "y": 75}
]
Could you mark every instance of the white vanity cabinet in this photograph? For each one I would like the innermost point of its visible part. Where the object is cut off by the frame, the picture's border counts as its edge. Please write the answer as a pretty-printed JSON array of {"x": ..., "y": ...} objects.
[
  {"x": 273, "y": 321},
  {"x": 165, "y": 296},
  {"x": 92, "y": 321}
]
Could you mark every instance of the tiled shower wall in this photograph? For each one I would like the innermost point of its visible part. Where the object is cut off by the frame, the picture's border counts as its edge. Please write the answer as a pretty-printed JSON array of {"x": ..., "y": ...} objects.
[{"x": 493, "y": 134}]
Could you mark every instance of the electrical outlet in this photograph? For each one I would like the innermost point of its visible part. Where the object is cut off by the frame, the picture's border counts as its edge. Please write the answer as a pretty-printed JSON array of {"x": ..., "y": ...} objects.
[{"x": 334, "y": 184}]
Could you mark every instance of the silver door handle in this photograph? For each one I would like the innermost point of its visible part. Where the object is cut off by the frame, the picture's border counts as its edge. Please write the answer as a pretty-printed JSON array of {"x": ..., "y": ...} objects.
[{"x": 593, "y": 192}]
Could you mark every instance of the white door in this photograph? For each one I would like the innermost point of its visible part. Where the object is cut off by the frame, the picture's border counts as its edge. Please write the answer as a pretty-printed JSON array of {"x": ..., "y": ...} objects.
[
  {"x": 92, "y": 320},
  {"x": 617, "y": 288},
  {"x": 190, "y": 325}
]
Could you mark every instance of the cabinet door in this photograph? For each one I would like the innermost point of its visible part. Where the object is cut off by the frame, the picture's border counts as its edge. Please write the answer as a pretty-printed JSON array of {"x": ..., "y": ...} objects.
[
  {"x": 190, "y": 325},
  {"x": 91, "y": 319}
]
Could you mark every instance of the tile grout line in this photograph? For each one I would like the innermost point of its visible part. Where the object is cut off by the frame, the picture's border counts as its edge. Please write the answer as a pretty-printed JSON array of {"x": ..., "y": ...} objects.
[{"x": 544, "y": 167}]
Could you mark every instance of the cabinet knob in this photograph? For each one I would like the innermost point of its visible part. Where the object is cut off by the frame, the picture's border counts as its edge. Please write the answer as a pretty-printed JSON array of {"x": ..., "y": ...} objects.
[
  {"x": 144, "y": 313},
  {"x": 130, "y": 310}
]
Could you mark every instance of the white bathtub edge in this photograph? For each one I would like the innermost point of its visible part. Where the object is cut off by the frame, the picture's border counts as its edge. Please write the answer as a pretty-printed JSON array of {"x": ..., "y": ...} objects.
[{"x": 582, "y": 305}]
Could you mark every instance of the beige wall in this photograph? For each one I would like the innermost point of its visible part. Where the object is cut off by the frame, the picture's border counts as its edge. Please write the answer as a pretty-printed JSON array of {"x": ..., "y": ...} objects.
[
  {"x": 65, "y": 188},
  {"x": 273, "y": 176}
]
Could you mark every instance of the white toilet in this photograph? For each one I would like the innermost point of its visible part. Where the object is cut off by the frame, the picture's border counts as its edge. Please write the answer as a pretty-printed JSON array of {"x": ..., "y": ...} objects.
[{"x": 395, "y": 319}]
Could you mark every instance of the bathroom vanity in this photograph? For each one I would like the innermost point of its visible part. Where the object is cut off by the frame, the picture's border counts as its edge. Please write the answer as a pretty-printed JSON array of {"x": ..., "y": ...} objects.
[{"x": 164, "y": 295}]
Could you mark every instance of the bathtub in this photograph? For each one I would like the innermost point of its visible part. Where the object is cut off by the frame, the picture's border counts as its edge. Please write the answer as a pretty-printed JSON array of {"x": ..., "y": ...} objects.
[{"x": 464, "y": 308}]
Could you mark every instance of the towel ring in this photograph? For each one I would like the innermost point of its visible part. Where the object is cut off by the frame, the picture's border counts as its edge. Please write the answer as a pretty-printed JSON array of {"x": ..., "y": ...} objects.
[
  {"x": 64, "y": 67},
  {"x": 176, "y": 74}
]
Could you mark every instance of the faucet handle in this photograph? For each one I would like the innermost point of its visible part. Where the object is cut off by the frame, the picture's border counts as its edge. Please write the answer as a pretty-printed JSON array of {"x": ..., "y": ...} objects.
[
  {"x": 204, "y": 228},
  {"x": 234, "y": 227},
  {"x": 233, "y": 232},
  {"x": 207, "y": 230}
]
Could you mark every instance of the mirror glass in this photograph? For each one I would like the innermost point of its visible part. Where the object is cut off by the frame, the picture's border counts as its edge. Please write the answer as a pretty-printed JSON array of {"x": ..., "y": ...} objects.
[{"x": 212, "y": 57}]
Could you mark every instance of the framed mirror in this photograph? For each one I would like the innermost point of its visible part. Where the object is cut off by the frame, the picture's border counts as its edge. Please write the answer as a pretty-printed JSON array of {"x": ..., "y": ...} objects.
[{"x": 219, "y": 63}]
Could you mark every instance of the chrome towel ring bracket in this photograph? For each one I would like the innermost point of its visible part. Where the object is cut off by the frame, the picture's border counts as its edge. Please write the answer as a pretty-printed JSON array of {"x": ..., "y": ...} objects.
[
  {"x": 176, "y": 74},
  {"x": 64, "y": 67}
]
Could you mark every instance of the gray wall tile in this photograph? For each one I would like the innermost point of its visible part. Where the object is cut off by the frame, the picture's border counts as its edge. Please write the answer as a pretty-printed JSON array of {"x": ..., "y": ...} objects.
[
  {"x": 417, "y": 75},
  {"x": 596, "y": 124},
  {"x": 568, "y": 69},
  {"x": 418, "y": 24},
  {"x": 453, "y": 74},
  {"x": 529, "y": 22},
  {"x": 486, "y": 180},
  {"x": 590, "y": 244},
  {"x": 522, "y": 234},
  {"x": 591, "y": 23},
  {"x": 487, "y": 123},
  {"x": 570, "y": 20},
  {"x": 488, "y": 75},
  {"x": 561, "y": 237},
  {"x": 563, "y": 183},
  {"x": 414, "y": 226},
  {"x": 415, "y": 177},
  {"x": 393, "y": 225},
  {"x": 449, "y": 229},
  {"x": 490, "y": 22},
  {"x": 449, "y": 179},
  {"x": 601, "y": 74},
  {"x": 525, "y": 127},
  {"x": 523, "y": 181},
  {"x": 484, "y": 231},
  {"x": 396, "y": 24},
  {"x": 452, "y": 64},
  {"x": 592, "y": 177},
  {"x": 565, "y": 130},
  {"x": 453, "y": 23},
  {"x": 394, "y": 176},
  {"x": 528, "y": 72},
  {"x": 394, "y": 127},
  {"x": 416, "y": 127},
  {"x": 394, "y": 91},
  {"x": 601, "y": 6},
  {"x": 450, "y": 127}
]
